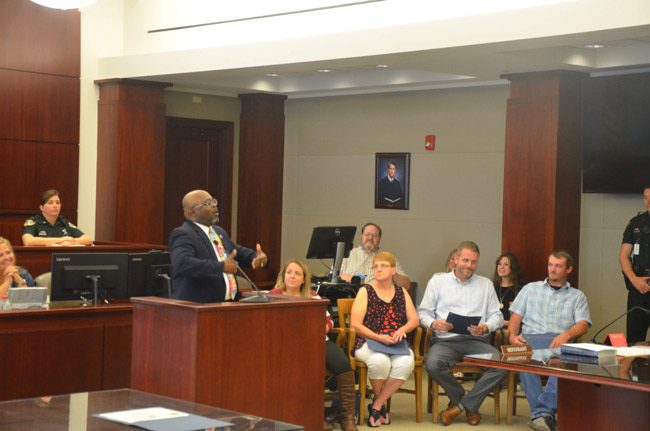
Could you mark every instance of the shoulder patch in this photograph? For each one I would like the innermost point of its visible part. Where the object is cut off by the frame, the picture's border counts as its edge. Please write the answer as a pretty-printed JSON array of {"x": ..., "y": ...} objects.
[
  {"x": 29, "y": 222},
  {"x": 72, "y": 226}
]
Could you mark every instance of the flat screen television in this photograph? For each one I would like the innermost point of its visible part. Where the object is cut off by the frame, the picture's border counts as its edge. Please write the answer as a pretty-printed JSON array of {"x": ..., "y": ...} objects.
[
  {"x": 72, "y": 275},
  {"x": 616, "y": 133},
  {"x": 324, "y": 244},
  {"x": 148, "y": 274}
]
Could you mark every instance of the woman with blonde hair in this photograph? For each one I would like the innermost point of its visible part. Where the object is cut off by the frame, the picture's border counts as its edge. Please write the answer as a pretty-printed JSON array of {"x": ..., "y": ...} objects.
[
  {"x": 10, "y": 274},
  {"x": 295, "y": 280}
]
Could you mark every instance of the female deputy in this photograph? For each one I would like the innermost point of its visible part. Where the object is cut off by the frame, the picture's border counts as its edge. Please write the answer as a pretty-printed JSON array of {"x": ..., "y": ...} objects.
[
  {"x": 10, "y": 274},
  {"x": 295, "y": 280},
  {"x": 382, "y": 315},
  {"x": 50, "y": 228}
]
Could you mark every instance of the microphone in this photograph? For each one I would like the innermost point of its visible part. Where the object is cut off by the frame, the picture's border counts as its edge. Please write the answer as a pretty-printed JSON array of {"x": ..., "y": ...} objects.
[
  {"x": 646, "y": 311},
  {"x": 258, "y": 297}
]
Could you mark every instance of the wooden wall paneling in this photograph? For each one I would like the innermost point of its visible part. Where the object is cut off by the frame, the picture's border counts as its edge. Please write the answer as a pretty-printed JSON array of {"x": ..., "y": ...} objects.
[
  {"x": 199, "y": 155},
  {"x": 39, "y": 39},
  {"x": 64, "y": 350},
  {"x": 47, "y": 376},
  {"x": 39, "y": 113},
  {"x": 541, "y": 198},
  {"x": 261, "y": 159},
  {"x": 38, "y": 107},
  {"x": 131, "y": 142}
]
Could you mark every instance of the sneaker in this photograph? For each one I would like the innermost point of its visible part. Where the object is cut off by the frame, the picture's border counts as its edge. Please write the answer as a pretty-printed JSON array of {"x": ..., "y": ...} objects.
[{"x": 543, "y": 423}]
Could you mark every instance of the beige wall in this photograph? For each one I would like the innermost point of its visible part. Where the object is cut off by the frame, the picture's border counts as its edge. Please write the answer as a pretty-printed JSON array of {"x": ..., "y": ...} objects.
[
  {"x": 456, "y": 191},
  {"x": 603, "y": 220}
]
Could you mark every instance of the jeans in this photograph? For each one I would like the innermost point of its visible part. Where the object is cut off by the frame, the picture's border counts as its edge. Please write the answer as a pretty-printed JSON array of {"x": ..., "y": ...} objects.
[{"x": 542, "y": 400}]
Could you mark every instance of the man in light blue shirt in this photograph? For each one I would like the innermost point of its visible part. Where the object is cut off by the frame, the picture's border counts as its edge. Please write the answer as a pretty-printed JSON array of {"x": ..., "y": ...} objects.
[
  {"x": 466, "y": 294},
  {"x": 549, "y": 306}
]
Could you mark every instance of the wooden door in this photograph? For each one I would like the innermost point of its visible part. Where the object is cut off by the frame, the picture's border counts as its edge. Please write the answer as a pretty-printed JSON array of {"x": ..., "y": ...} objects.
[{"x": 198, "y": 156}]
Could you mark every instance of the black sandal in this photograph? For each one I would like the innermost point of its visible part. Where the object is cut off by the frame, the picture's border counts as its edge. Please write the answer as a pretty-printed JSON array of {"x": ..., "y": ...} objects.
[
  {"x": 384, "y": 413},
  {"x": 374, "y": 418}
]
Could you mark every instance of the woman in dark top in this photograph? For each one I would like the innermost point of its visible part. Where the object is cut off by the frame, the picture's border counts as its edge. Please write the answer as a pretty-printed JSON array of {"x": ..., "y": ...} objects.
[
  {"x": 383, "y": 313},
  {"x": 507, "y": 281}
]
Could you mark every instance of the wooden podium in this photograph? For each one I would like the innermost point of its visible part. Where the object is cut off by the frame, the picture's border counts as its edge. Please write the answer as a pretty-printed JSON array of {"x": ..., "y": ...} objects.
[{"x": 265, "y": 359}]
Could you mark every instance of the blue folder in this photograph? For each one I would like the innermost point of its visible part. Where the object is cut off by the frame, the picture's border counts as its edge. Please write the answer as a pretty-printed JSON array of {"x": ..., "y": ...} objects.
[{"x": 400, "y": 348}]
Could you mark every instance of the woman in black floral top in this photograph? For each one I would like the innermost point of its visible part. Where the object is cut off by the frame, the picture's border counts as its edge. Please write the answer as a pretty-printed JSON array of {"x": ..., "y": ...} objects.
[{"x": 385, "y": 314}]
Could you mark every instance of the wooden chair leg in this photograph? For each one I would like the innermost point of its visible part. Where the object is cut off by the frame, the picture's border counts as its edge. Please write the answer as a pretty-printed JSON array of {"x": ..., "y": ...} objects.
[
  {"x": 512, "y": 395},
  {"x": 363, "y": 378},
  {"x": 497, "y": 404},
  {"x": 436, "y": 400},
  {"x": 418, "y": 395},
  {"x": 429, "y": 393}
]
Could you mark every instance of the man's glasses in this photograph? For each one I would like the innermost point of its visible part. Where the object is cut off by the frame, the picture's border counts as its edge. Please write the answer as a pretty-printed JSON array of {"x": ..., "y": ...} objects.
[{"x": 205, "y": 203}]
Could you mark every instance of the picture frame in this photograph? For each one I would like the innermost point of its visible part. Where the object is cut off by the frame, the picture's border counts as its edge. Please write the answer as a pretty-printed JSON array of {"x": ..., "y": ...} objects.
[{"x": 392, "y": 173}]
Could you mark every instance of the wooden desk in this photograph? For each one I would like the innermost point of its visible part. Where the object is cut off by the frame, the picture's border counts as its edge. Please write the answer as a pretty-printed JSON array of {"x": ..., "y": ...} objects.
[
  {"x": 64, "y": 350},
  {"x": 590, "y": 397},
  {"x": 267, "y": 359},
  {"x": 75, "y": 412},
  {"x": 38, "y": 260}
]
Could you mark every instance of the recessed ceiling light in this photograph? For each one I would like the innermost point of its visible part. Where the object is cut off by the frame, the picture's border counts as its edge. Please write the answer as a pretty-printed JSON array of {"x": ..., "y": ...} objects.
[
  {"x": 272, "y": 75},
  {"x": 324, "y": 70},
  {"x": 594, "y": 46},
  {"x": 382, "y": 66}
]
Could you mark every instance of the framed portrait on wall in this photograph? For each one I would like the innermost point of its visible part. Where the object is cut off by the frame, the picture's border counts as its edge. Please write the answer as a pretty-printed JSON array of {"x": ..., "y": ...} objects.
[{"x": 392, "y": 172}]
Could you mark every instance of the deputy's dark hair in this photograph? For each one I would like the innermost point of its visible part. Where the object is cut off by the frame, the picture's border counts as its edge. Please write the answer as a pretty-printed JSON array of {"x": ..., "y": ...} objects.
[{"x": 47, "y": 194}]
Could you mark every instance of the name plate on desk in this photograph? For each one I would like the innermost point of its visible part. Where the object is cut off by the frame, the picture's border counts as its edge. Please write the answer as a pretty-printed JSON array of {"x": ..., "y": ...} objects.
[{"x": 509, "y": 350}]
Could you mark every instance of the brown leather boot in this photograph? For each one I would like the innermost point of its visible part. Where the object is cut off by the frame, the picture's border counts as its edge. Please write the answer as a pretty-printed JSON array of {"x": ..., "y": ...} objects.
[{"x": 348, "y": 399}]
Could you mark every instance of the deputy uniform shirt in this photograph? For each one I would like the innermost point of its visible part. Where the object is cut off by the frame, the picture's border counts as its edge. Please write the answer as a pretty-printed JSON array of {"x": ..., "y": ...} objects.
[
  {"x": 38, "y": 226},
  {"x": 637, "y": 233}
]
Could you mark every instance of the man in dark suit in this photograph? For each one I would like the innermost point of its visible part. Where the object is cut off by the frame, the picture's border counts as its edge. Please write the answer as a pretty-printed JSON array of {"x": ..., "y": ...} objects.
[{"x": 199, "y": 273}]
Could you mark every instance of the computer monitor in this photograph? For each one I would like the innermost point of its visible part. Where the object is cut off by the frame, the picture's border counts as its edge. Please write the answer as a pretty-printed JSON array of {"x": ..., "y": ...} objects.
[
  {"x": 324, "y": 244},
  {"x": 73, "y": 273},
  {"x": 148, "y": 274}
]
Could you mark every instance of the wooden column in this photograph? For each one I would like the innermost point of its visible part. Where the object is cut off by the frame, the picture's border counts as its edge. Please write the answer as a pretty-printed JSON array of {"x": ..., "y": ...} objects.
[
  {"x": 261, "y": 158},
  {"x": 542, "y": 169},
  {"x": 130, "y": 161}
]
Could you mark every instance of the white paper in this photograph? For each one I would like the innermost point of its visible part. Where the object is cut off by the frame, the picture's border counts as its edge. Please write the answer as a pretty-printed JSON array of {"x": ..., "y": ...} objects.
[
  {"x": 138, "y": 415},
  {"x": 633, "y": 351}
]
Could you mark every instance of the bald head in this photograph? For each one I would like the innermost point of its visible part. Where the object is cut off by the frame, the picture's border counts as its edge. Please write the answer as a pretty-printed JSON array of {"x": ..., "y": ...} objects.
[{"x": 199, "y": 206}]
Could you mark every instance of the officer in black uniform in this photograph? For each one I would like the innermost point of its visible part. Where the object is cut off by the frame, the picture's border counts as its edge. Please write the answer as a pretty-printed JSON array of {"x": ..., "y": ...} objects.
[
  {"x": 51, "y": 228},
  {"x": 38, "y": 226},
  {"x": 634, "y": 259}
]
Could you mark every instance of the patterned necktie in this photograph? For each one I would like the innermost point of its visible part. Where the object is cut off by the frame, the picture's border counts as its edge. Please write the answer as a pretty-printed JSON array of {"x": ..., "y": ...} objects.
[{"x": 231, "y": 282}]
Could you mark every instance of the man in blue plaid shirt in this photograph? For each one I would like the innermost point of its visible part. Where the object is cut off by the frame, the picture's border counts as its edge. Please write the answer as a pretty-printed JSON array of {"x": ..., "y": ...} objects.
[{"x": 549, "y": 307}]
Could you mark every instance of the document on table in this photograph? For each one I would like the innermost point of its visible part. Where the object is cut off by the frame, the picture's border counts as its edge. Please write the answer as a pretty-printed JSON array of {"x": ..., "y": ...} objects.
[
  {"x": 633, "y": 351},
  {"x": 162, "y": 419}
]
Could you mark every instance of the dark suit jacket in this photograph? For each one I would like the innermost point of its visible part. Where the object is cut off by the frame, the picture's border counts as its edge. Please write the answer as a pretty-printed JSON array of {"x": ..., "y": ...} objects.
[{"x": 197, "y": 274}]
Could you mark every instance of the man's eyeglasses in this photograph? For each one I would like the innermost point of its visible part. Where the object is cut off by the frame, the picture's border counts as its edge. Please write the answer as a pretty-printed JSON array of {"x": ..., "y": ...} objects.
[{"x": 205, "y": 203}]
